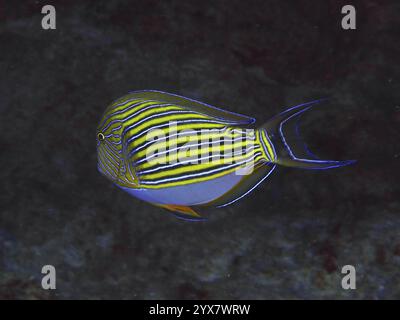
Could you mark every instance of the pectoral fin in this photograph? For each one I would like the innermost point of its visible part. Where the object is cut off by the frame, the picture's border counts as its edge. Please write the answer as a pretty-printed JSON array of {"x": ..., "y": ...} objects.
[{"x": 182, "y": 212}]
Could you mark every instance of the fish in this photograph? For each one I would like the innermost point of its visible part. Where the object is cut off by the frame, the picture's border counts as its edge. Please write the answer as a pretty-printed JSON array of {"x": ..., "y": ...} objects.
[{"x": 184, "y": 155}]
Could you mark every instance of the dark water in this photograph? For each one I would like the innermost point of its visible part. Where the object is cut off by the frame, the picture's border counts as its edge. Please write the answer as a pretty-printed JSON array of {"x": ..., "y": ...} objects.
[{"x": 289, "y": 238}]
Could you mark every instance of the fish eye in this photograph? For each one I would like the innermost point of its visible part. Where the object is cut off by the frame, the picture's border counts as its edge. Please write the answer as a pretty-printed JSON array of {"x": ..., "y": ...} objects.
[{"x": 100, "y": 136}]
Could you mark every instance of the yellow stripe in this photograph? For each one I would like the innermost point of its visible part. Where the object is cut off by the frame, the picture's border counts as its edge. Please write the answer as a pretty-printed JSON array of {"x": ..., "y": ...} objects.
[
  {"x": 189, "y": 181},
  {"x": 124, "y": 105},
  {"x": 265, "y": 139},
  {"x": 193, "y": 168},
  {"x": 150, "y": 112},
  {"x": 108, "y": 119},
  {"x": 198, "y": 152},
  {"x": 106, "y": 164},
  {"x": 161, "y": 120},
  {"x": 199, "y": 137},
  {"x": 180, "y": 127},
  {"x": 111, "y": 108}
]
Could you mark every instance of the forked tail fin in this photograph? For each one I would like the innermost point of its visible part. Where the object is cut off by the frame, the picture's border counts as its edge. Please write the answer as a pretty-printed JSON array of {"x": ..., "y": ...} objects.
[{"x": 274, "y": 137}]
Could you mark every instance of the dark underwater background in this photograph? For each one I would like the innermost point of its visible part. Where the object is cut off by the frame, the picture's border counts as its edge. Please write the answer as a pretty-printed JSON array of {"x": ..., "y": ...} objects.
[{"x": 287, "y": 240}]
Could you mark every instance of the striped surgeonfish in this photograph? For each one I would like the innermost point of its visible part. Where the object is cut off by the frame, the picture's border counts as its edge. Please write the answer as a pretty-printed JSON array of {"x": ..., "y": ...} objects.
[{"x": 182, "y": 154}]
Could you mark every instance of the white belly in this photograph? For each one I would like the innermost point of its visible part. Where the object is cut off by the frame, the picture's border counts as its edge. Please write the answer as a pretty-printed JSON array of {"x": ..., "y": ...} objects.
[{"x": 188, "y": 195}]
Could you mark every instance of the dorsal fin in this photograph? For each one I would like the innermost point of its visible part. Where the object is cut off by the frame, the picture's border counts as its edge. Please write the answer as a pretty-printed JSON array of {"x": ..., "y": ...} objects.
[
  {"x": 233, "y": 118},
  {"x": 247, "y": 184}
]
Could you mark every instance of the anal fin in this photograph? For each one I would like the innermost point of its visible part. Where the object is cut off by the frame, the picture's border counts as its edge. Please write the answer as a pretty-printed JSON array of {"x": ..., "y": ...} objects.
[{"x": 246, "y": 185}]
